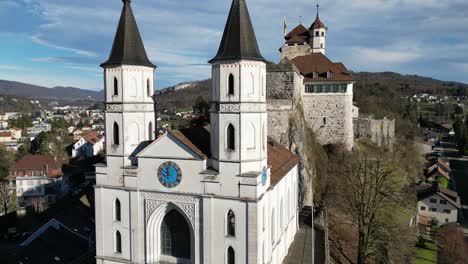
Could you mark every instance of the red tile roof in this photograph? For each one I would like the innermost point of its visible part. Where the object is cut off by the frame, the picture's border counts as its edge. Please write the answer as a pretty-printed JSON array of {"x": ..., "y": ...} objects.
[
  {"x": 92, "y": 137},
  {"x": 5, "y": 134},
  {"x": 299, "y": 34},
  {"x": 319, "y": 63},
  {"x": 38, "y": 163},
  {"x": 318, "y": 24}
]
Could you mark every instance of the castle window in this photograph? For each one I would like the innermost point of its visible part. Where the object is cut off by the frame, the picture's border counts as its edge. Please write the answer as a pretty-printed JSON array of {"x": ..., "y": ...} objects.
[
  {"x": 230, "y": 138},
  {"x": 316, "y": 33},
  {"x": 343, "y": 88},
  {"x": 116, "y": 86},
  {"x": 231, "y": 84},
  {"x": 115, "y": 134},
  {"x": 324, "y": 121},
  {"x": 117, "y": 211},
  {"x": 231, "y": 224},
  {"x": 231, "y": 258},
  {"x": 323, "y": 34},
  {"x": 321, "y": 45},
  {"x": 118, "y": 243}
]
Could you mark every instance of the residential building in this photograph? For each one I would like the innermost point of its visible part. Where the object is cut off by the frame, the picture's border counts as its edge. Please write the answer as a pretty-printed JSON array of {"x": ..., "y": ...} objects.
[
  {"x": 217, "y": 194},
  {"x": 88, "y": 145},
  {"x": 6, "y": 136},
  {"x": 437, "y": 203},
  {"x": 38, "y": 176}
]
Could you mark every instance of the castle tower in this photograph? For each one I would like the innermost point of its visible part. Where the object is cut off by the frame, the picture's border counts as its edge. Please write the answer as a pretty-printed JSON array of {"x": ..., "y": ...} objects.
[
  {"x": 238, "y": 114},
  {"x": 128, "y": 75},
  {"x": 317, "y": 35}
]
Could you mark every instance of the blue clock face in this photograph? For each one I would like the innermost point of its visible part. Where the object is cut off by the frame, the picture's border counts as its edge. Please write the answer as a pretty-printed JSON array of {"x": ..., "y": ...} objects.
[
  {"x": 264, "y": 176},
  {"x": 169, "y": 174}
]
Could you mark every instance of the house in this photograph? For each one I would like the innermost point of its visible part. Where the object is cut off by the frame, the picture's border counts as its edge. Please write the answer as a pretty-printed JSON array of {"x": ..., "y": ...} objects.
[
  {"x": 440, "y": 172},
  {"x": 16, "y": 132},
  {"x": 88, "y": 145},
  {"x": 38, "y": 176},
  {"x": 6, "y": 136},
  {"x": 437, "y": 203}
]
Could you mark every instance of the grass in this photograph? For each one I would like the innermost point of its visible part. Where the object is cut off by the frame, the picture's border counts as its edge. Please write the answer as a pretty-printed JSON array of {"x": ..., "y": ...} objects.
[{"x": 426, "y": 254}]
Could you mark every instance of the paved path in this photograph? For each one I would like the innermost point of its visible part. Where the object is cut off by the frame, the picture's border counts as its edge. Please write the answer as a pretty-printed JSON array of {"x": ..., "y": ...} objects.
[{"x": 300, "y": 251}]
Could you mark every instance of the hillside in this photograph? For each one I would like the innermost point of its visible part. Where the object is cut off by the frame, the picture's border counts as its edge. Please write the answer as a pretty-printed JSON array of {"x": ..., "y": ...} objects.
[
  {"x": 371, "y": 91},
  {"x": 17, "y": 89}
]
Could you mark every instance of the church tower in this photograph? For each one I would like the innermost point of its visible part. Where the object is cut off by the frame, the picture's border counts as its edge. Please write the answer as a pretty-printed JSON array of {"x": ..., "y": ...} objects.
[
  {"x": 128, "y": 75},
  {"x": 238, "y": 105},
  {"x": 317, "y": 35}
]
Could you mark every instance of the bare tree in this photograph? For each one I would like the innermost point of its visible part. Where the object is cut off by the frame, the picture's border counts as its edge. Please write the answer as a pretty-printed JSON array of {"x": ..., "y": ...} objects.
[
  {"x": 452, "y": 244},
  {"x": 38, "y": 204},
  {"x": 370, "y": 193},
  {"x": 5, "y": 198}
]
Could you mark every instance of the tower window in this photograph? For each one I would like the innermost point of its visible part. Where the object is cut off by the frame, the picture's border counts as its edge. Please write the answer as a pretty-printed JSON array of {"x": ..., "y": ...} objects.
[
  {"x": 117, "y": 211},
  {"x": 118, "y": 242},
  {"x": 150, "y": 131},
  {"x": 317, "y": 33},
  {"x": 231, "y": 84},
  {"x": 231, "y": 224},
  {"x": 321, "y": 45},
  {"x": 115, "y": 134},
  {"x": 116, "y": 86},
  {"x": 148, "y": 87},
  {"x": 231, "y": 258},
  {"x": 324, "y": 121},
  {"x": 323, "y": 34},
  {"x": 230, "y": 138}
]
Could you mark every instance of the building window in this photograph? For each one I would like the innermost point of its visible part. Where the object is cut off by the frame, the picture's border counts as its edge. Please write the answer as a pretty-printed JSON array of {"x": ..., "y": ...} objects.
[
  {"x": 117, "y": 211},
  {"x": 230, "y": 138},
  {"x": 324, "y": 121},
  {"x": 175, "y": 236},
  {"x": 148, "y": 87},
  {"x": 115, "y": 134},
  {"x": 423, "y": 208},
  {"x": 323, "y": 34},
  {"x": 231, "y": 258},
  {"x": 321, "y": 45},
  {"x": 231, "y": 84},
  {"x": 433, "y": 200},
  {"x": 446, "y": 220},
  {"x": 447, "y": 212},
  {"x": 118, "y": 242},
  {"x": 443, "y": 202},
  {"x": 116, "y": 86},
  {"x": 317, "y": 33},
  {"x": 432, "y": 209},
  {"x": 231, "y": 224}
]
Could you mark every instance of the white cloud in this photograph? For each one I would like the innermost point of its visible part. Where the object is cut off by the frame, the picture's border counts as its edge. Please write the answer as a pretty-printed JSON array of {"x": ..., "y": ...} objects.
[{"x": 37, "y": 39}]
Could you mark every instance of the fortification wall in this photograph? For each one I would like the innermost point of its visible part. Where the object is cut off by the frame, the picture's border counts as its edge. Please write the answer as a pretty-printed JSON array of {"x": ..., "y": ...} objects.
[
  {"x": 290, "y": 52},
  {"x": 379, "y": 131}
]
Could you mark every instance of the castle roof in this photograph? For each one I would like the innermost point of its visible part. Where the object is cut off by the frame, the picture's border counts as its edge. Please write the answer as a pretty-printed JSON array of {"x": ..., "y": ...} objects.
[
  {"x": 321, "y": 65},
  {"x": 318, "y": 23},
  {"x": 239, "y": 41},
  {"x": 128, "y": 48}
]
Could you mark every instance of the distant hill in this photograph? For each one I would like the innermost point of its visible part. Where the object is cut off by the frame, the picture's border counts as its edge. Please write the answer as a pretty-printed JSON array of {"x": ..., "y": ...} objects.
[
  {"x": 382, "y": 85},
  {"x": 17, "y": 89}
]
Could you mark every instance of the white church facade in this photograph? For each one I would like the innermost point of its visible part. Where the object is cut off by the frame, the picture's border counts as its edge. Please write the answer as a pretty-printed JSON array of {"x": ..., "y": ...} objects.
[{"x": 215, "y": 194}]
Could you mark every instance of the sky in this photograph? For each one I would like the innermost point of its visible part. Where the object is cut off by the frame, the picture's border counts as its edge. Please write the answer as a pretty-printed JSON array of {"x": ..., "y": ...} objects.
[{"x": 62, "y": 42}]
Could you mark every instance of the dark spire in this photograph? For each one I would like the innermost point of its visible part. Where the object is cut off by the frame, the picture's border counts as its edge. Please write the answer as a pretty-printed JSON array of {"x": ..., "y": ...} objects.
[
  {"x": 317, "y": 23},
  {"x": 128, "y": 48},
  {"x": 238, "y": 40}
]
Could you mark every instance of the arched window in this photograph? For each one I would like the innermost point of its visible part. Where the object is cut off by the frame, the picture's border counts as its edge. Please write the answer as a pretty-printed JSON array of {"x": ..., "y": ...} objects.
[
  {"x": 115, "y": 134},
  {"x": 118, "y": 242},
  {"x": 231, "y": 138},
  {"x": 116, "y": 86},
  {"x": 148, "y": 87},
  {"x": 231, "y": 84},
  {"x": 323, "y": 33},
  {"x": 316, "y": 33},
  {"x": 150, "y": 131},
  {"x": 117, "y": 211},
  {"x": 231, "y": 223},
  {"x": 231, "y": 258},
  {"x": 175, "y": 236}
]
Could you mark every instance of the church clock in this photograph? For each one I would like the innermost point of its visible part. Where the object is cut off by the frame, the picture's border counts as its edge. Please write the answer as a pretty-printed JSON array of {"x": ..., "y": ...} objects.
[{"x": 169, "y": 174}]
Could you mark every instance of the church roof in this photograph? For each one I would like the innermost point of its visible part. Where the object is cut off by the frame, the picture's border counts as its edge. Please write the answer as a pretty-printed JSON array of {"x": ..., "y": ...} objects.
[
  {"x": 128, "y": 48},
  {"x": 198, "y": 140},
  {"x": 239, "y": 41},
  {"x": 320, "y": 64}
]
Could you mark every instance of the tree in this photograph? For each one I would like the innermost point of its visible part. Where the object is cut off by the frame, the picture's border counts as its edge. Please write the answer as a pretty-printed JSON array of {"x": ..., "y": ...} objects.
[
  {"x": 5, "y": 198},
  {"x": 6, "y": 161},
  {"x": 201, "y": 106},
  {"x": 452, "y": 245},
  {"x": 370, "y": 195},
  {"x": 23, "y": 150},
  {"x": 38, "y": 204},
  {"x": 23, "y": 122}
]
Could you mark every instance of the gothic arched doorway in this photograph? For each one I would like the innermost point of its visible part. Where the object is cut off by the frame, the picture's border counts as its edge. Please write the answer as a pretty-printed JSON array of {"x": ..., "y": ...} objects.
[{"x": 175, "y": 236}]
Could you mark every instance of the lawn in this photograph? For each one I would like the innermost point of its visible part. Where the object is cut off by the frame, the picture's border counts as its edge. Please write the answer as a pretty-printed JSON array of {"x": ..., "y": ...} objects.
[{"x": 426, "y": 255}]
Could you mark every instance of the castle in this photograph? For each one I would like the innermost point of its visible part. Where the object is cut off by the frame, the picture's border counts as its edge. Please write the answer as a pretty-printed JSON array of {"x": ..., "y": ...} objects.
[{"x": 222, "y": 193}]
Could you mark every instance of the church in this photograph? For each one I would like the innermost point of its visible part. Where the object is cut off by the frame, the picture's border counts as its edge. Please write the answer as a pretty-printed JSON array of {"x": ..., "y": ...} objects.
[{"x": 216, "y": 194}]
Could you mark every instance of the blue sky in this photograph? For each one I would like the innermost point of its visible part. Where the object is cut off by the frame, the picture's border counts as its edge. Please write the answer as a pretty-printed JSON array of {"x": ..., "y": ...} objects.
[{"x": 62, "y": 42}]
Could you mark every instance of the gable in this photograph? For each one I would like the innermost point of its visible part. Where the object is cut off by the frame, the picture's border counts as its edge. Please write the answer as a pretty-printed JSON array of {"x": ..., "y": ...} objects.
[{"x": 168, "y": 147}]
